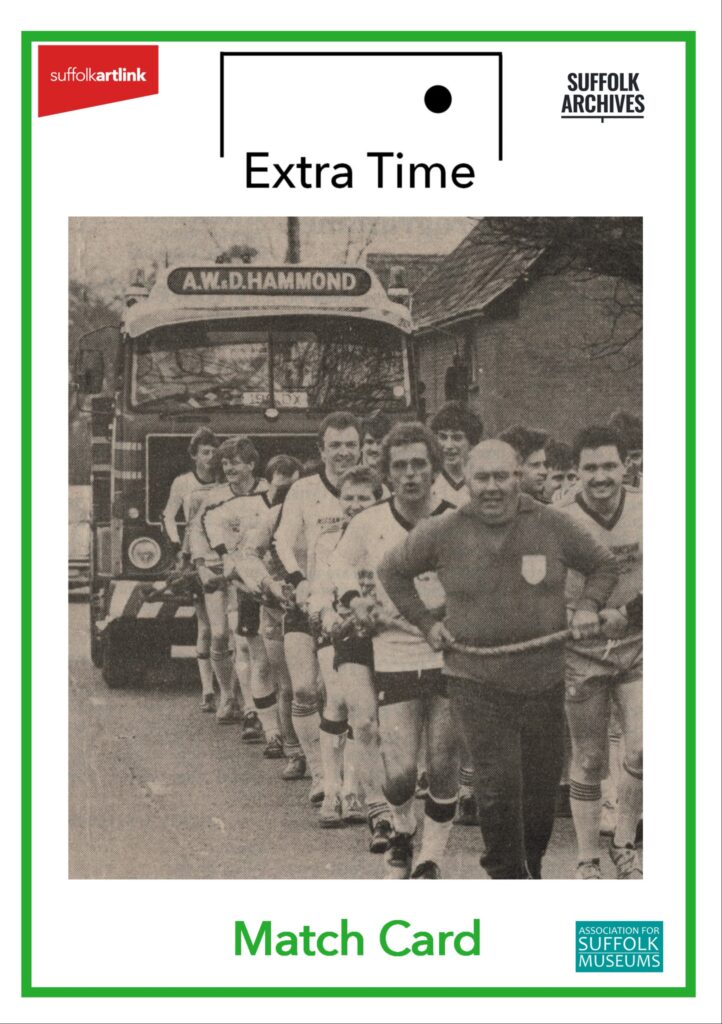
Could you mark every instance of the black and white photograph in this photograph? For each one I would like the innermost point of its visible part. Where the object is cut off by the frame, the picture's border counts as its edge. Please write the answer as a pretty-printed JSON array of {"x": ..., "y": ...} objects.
[{"x": 355, "y": 548}]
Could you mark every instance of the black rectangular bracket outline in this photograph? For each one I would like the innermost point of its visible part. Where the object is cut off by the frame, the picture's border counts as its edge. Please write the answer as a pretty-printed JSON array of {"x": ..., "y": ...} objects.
[{"x": 366, "y": 53}]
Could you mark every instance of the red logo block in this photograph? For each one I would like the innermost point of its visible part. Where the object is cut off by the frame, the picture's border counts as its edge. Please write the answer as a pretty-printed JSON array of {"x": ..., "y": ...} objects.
[{"x": 73, "y": 77}]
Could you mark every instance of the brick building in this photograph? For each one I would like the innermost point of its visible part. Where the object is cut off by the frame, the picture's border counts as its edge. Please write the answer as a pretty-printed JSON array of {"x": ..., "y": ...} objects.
[{"x": 534, "y": 342}]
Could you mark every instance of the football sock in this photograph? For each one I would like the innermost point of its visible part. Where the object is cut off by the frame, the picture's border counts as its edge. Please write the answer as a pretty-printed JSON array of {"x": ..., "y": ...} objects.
[
  {"x": 332, "y": 740},
  {"x": 306, "y": 722},
  {"x": 466, "y": 781},
  {"x": 267, "y": 711},
  {"x": 611, "y": 783},
  {"x": 351, "y": 782},
  {"x": 629, "y": 805},
  {"x": 205, "y": 671},
  {"x": 291, "y": 746},
  {"x": 377, "y": 809},
  {"x": 369, "y": 768},
  {"x": 223, "y": 670},
  {"x": 586, "y": 805},
  {"x": 438, "y": 821},
  {"x": 403, "y": 817},
  {"x": 242, "y": 668}
]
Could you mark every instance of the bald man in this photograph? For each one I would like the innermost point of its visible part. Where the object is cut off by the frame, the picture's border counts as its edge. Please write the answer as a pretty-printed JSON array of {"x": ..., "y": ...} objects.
[{"x": 503, "y": 560}]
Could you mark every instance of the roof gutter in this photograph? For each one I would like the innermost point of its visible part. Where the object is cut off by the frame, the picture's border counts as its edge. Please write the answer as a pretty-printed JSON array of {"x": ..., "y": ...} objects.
[{"x": 451, "y": 322}]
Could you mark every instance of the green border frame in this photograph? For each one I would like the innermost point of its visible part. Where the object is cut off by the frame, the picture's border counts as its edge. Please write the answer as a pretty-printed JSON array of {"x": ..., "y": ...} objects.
[{"x": 597, "y": 991}]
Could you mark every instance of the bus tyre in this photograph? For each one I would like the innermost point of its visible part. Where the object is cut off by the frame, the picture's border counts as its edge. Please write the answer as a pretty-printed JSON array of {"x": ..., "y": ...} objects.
[
  {"x": 96, "y": 604},
  {"x": 158, "y": 652},
  {"x": 96, "y": 642},
  {"x": 96, "y": 648},
  {"x": 119, "y": 668}
]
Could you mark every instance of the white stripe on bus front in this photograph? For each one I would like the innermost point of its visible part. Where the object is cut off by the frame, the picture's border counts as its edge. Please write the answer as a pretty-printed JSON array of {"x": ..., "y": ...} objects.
[
  {"x": 122, "y": 593},
  {"x": 128, "y": 474},
  {"x": 129, "y": 446},
  {"x": 149, "y": 610},
  {"x": 186, "y": 611},
  {"x": 180, "y": 651}
]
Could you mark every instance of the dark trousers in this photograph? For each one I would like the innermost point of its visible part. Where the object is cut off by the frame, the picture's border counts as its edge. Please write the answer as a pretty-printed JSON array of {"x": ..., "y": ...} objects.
[{"x": 516, "y": 744}]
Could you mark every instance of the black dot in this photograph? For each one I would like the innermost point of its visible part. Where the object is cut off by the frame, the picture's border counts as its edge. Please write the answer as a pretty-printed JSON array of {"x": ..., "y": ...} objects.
[{"x": 438, "y": 99}]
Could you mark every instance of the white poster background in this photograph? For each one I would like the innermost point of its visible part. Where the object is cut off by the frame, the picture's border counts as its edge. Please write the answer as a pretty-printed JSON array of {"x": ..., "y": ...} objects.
[
  {"x": 552, "y": 167},
  {"x": 143, "y": 932}
]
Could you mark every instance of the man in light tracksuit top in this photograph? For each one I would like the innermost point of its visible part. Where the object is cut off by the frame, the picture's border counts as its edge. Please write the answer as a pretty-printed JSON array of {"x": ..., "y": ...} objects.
[{"x": 503, "y": 561}]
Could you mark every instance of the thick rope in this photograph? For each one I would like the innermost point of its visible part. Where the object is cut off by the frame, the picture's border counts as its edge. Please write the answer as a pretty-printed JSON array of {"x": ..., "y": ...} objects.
[
  {"x": 536, "y": 643},
  {"x": 350, "y": 627}
]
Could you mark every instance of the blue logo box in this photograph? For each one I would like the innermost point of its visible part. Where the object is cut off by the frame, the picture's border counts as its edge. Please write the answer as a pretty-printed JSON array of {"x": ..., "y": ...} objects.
[{"x": 617, "y": 946}]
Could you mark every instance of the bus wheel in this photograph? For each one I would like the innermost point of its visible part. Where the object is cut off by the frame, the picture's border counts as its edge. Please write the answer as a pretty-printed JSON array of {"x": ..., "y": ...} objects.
[
  {"x": 119, "y": 666},
  {"x": 96, "y": 602},
  {"x": 96, "y": 642}
]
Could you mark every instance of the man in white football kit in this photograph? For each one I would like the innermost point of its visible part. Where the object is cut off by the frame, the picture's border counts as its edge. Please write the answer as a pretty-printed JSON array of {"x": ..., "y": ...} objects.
[
  {"x": 226, "y": 526},
  {"x": 343, "y": 736},
  {"x": 630, "y": 427},
  {"x": 240, "y": 455},
  {"x": 458, "y": 430},
  {"x": 374, "y": 429},
  {"x": 602, "y": 670},
  {"x": 262, "y": 573},
  {"x": 530, "y": 446},
  {"x": 311, "y": 508},
  {"x": 204, "y": 475},
  {"x": 411, "y": 692},
  {"x": 561, "y": 472}
]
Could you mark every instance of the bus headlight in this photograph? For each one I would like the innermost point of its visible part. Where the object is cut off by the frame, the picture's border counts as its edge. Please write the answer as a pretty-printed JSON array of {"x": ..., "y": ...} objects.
[{"x": 144, "y": 552}]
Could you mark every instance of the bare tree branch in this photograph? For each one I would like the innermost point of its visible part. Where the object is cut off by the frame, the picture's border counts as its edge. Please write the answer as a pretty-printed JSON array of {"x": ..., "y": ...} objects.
[{"x": 589, "y": 250}]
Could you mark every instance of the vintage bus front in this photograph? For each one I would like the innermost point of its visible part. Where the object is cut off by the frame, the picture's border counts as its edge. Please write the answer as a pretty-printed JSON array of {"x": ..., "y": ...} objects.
[{"x": 262, "y": 351}]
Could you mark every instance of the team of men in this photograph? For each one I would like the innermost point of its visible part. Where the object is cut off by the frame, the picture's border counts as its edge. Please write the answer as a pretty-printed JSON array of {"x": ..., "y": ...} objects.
[{"x": 427, "y": 613}]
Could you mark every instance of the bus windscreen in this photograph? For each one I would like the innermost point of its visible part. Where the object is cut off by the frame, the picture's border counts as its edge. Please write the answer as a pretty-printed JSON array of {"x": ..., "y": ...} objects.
[{"x": 339, "y": 364}]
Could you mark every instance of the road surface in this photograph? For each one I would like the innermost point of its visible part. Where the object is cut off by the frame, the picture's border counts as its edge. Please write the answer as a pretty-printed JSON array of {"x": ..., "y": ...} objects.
[{"x": 160, "y": 790}]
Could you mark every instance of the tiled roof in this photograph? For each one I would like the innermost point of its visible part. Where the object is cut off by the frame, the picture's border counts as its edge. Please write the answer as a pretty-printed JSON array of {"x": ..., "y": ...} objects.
[
  {"x": 417, "y": 266},
  {"x": 480, "y": 269}
]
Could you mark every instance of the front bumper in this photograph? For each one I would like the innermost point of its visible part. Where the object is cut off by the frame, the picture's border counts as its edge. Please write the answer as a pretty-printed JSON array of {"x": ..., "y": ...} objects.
[{"x": 130, "y": 599}]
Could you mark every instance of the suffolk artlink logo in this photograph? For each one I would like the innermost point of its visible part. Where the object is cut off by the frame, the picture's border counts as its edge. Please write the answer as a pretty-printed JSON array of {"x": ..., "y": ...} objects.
[
  {"x": 88, "y": 75},
  {"x": 73, "y": 77},
  {"x": 604, "y": 946}
]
